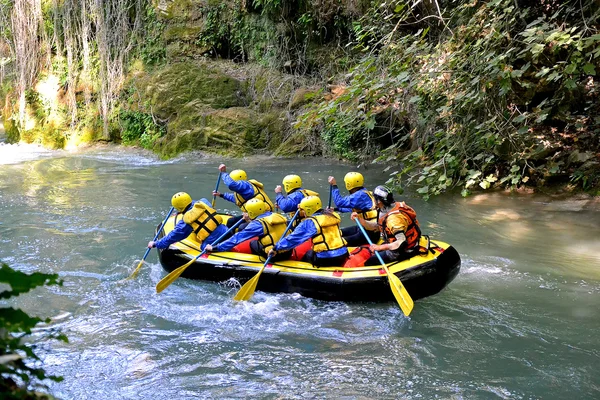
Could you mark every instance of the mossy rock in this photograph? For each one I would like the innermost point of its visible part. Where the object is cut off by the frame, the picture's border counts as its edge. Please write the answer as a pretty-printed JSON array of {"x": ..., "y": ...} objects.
[
  {"x": 233, "y": 131},
  {"x": 272, "y": 89},
  {"x": 182, "y": 86},
  {"x": 300, "y": 142},
  {"x": 302, "y": 96},
  {"x": 180, "y": 10}
]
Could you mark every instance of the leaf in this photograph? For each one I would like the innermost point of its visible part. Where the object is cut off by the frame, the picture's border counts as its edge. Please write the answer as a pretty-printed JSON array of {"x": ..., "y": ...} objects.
[
  {"x": 423, "y": 190},
  {"x": 589, "y": 69},
  {"x": 484, "y": 184},
  {"x": 541, "y": 118},
  {"x": 491, "y": 178},
  {"x": 473, "y": 174},
  {"x": 465, "y": 193},
  {"x": 414, "y": 99}
]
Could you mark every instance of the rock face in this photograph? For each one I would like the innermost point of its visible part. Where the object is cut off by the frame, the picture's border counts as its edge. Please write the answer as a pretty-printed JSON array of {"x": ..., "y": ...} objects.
[{"x": 205, "y": 109}]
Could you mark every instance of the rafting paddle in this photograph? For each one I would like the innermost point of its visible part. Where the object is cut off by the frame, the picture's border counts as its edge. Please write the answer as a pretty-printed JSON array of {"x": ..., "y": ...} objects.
[
  {"x": 402, "y": 297},
  {"x": 216, "y": 190},
  {"x": 135, "y": 272},
  {"x": 167, "y": 280},
  {"x": 246, "y": 291},
  {"x": 330, "y": 192}
]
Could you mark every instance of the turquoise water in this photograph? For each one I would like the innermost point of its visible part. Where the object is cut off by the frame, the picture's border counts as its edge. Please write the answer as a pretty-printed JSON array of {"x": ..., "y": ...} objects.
[{"x": 519, "y": 322}]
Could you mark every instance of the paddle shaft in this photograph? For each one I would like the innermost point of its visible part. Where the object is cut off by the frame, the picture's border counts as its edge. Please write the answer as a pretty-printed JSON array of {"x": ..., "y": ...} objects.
[
  {"x": 135, "y": 272},
  {"x": 158, "y": 231},
  {"x": 362, "y": 229},
  {"x": 330, "y": 193},
  {"x": 400, "y": 293},
  {"x": 216, "y": 189},
  {"x": 246, "y": 291},
  {"x": 221, "y": 237},
  {"x": 173, "y": 275}
]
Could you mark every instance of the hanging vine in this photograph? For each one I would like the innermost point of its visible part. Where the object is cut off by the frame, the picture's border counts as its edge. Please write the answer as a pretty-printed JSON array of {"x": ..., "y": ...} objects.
[{"x": 116, "y": 35}]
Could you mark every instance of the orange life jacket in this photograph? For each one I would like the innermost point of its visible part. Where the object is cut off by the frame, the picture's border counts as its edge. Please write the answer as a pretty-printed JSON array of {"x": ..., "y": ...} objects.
[{"x": 413, "y": 230}]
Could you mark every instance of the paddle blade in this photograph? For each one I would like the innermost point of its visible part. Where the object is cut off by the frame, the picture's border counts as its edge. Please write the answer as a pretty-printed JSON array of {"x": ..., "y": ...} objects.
[
  {"x": 400, "y": 293},
  {"x": 246, "y": 291},
  {"x": 136, "y": 271},
  {"x": 167, "y": 280}
]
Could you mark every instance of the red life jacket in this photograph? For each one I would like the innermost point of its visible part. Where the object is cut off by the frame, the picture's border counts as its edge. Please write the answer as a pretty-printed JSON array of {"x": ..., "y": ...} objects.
[{"x": 413, "y": 230}]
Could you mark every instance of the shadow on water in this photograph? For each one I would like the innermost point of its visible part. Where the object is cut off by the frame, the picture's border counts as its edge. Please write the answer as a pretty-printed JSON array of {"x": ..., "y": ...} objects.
[{"x": 517, "y": 323}]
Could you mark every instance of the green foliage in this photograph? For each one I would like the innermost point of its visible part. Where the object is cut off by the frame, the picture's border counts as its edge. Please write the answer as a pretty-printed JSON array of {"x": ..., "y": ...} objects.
[
  {"x": 139, "y": 127},
  {"x": 153, "y": 48},
  {"x": 270, "y": 7},
  {"x": 20, "y": 368},
  {"x": 494, "y": 95}
]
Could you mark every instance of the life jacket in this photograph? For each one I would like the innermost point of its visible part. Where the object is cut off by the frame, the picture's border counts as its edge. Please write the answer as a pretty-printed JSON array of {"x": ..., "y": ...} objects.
[
  {"x": 413, "y": 230},
  {"x": 329, "y": 235},
  {"x": 274, "y": 227},
  {"x": 306, "y": 193},
  {"x": 203, "y": 219},
  {"x": 370, "y": 214},
  {"x": 259, "y": 193}
]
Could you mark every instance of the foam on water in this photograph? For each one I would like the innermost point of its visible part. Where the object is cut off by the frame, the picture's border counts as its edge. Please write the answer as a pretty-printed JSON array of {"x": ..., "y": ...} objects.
[{"x": 22, "y": 152}]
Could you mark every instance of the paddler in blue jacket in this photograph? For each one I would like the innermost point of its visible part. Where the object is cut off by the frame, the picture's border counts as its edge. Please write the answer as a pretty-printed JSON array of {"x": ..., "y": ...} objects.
[
  {"x": 361, "y": 201},
  {"x": 328, "y": 246},
  {"x": 295, "y": 194},
  {"x": 264, "y": 229},
  {"x": 243, "y": 189},
  {"x": 193, "y": 216}
]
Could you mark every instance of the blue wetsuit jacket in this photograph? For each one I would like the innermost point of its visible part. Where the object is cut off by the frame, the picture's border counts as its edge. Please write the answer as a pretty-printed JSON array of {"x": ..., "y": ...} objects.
[
  {"x": 289, "y": 203},
  {"x": 359, "y": 200},
  {"x": 243, "y": 188}
]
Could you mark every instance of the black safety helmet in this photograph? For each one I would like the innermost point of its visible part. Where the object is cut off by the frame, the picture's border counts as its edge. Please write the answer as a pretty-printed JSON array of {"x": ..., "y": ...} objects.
[{"x": 384, "y": 194}]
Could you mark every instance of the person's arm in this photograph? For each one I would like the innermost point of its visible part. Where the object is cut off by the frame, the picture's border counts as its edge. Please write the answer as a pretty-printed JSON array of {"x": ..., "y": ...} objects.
[
  {"x": 400, "y": 239},
  {"x": 253, "y": 229},
  {"x": 304, "y": 231},
  {"x": 287, "y": 204},
  {"x": 342, "y": 204},
  {"x": 228, "y": 196},
  {"x": 369, "y": 225},
  {"x": 243, "y": 188},
  {"x": 397, "y": 224},
  {"x": 180, "y": 232}
]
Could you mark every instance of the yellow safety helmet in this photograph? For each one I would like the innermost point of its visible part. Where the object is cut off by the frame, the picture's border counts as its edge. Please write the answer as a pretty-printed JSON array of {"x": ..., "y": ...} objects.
[
  {"x": 255, "y": 207},
  {"x": 238, "y": 175},
  {"x": 291, "y": 182},
  {"x": 310, "y": 205},
  {"x": 181, "y": 201},
  {"x": 354, "y": 180}
]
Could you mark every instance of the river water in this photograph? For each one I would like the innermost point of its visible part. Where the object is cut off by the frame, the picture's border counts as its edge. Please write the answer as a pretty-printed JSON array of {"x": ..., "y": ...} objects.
[{"x": 521, "y": 320}]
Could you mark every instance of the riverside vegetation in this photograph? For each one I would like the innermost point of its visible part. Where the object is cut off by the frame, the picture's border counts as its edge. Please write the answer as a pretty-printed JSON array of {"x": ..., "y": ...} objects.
[
  {"x": 22, "y": 375},
  {"x": 447, "y": 94}
]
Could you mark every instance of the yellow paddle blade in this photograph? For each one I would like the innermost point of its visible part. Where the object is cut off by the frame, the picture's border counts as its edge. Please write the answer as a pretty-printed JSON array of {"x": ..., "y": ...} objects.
[
  {"x": 135, "y": 271},
  {"x": 167, "y": 280},
  {"x": 400, "y": 293},
  {"x": 245, "y": 293}
]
